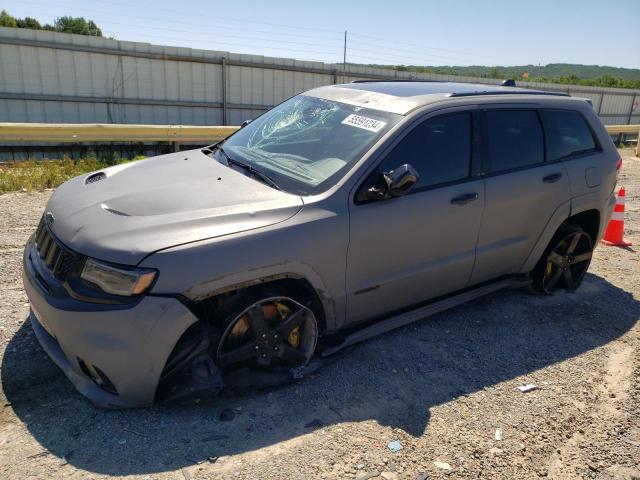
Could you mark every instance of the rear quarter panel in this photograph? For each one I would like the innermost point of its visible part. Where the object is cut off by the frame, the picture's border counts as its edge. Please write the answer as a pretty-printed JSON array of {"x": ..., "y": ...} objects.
[{"x": 593, "y": 176}]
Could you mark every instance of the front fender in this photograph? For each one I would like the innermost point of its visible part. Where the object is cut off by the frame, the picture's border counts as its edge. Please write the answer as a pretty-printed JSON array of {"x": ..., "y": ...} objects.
[
  {"x": 267, "y": 273},
  {"x": 311, "y": 246}
]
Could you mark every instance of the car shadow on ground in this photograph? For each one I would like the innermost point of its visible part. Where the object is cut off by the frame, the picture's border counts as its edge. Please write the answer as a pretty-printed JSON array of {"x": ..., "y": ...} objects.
[{"x": 393, "y": 380}]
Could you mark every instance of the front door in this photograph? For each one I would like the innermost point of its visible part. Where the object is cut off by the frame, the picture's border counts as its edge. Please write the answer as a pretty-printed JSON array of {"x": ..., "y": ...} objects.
[{"x": 409, "y": 249}]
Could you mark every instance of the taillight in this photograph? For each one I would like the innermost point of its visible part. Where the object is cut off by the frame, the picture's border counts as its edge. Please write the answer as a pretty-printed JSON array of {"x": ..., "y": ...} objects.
[{"x": 619, "y": 163}]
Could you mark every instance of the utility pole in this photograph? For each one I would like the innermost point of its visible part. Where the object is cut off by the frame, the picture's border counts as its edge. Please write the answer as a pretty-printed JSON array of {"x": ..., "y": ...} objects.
[{"x": 344, "y": 57}]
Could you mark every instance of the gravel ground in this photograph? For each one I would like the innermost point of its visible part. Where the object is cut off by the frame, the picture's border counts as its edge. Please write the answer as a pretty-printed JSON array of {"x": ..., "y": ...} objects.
[{"x": 443, "y": 388}]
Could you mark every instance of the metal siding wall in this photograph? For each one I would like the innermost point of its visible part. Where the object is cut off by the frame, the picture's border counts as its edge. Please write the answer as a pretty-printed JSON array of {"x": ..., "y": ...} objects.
[
  {"x": 621, "y": 120},
  {"x": 9, "y": 69},
  {"x": 616, "y": 104},
  {"x": 596, "y": 98},
  {"x": 236, "y": 116},
  {"x": 39, "y": 70}
]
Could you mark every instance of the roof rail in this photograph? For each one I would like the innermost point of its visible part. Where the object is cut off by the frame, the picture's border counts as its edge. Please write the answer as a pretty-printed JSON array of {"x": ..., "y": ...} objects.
[
  {"x": 507, "y": 92},
  {"x": 396, "y": 80}
]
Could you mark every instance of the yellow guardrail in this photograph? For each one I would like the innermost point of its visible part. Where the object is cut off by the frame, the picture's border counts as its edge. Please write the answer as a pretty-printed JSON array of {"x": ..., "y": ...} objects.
[
  {"x": 614, "y": 129},
  {"x": 622, "y": 128},
  {"x": 96, "y": 132}
]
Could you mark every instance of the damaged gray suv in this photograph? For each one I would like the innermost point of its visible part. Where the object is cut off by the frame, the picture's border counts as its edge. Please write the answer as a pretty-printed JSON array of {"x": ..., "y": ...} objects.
[{"x": 340, "y": 214}]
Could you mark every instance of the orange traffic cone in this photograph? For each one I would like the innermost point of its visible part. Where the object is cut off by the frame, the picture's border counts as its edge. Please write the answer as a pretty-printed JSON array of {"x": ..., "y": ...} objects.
[{"x": 614, "y": 235}]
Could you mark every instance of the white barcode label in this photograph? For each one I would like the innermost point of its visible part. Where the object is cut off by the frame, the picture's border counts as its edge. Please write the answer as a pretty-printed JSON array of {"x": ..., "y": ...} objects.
[{"x": 364, "y": 122}]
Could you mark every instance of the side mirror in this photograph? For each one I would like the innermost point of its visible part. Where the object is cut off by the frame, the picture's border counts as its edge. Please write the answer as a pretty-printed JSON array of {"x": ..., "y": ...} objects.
[
  {"x": 381, "y": 186},
  {"x": 401, "y": 180},
  {"x": 245, "y": 123}
]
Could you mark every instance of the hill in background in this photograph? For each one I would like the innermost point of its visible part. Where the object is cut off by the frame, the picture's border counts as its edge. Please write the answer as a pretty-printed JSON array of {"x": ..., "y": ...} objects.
[{"x": 566, "y": 73}]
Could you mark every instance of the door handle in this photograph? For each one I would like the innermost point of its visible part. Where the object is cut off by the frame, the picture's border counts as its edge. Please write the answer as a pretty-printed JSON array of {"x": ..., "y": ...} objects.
[
  {"x": 552, "y": 178},
  {"x": 466, "y": 198}
]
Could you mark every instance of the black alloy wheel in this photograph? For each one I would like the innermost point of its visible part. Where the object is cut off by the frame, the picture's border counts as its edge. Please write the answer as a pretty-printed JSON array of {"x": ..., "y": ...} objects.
[
  {"x": 566, "y": 262},
  {"x": 274, "y": 334}
]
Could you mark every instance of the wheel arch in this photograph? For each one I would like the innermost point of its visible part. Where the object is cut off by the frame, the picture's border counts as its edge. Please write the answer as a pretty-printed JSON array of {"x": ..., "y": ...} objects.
[
  {"x": 588, "y": 220},
  {"x": 557, "y": 219},
  {"x": 199, "y": 338},
  {"x": 299, "y": 285}
]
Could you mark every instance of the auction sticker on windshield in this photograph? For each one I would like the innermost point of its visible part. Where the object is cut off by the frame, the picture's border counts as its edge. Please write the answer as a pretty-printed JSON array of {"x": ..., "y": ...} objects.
[{"x": 365, "y": 123}]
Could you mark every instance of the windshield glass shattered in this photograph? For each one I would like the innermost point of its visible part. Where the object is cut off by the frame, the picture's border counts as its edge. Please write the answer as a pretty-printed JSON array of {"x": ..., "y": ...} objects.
[{"x": 306, "y": 144}]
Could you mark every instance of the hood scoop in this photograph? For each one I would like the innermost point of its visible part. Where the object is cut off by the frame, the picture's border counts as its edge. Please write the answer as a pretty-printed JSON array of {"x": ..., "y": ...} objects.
[{"x": 96, "y": 177}]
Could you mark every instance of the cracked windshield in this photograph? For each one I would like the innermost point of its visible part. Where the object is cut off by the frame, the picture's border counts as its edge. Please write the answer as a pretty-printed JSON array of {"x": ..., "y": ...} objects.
[{"x": 306, "y": 144}]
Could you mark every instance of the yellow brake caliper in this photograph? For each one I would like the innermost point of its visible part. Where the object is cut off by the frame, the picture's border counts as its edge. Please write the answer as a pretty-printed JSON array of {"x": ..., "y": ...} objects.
[{"x": 294, "y": 335}]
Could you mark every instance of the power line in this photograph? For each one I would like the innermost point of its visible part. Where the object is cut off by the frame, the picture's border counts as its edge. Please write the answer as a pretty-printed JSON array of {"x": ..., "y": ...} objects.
[
  {"x": 423, "y": 57},
  {"x": 433, "y": 48},
  {"x": 211, "y": 28},
  {"x": 216, "y": 42},
  {"x": 215, "y": 18},
  {"x": 393, "y": 55},
  {"x": 218, "y": 17},
  {"x": 334, "y": 49},
  {"x": 226, "y": 35},
  {"x": 467, "y": 55},
  {"x": 389, "y": 57},
  {"x": 410, "y": 51}
]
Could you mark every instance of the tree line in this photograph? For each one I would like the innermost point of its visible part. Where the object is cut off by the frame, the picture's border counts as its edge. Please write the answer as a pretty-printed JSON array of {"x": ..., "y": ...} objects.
[
  {"x": 78, "y": 25},
  {"x": 567, "y": 74}
]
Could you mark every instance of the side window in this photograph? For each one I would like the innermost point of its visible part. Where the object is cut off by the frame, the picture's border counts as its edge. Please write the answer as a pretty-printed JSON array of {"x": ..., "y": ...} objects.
[
  {"x": 567, "y": 133},
  {"x": 515, "y": 139},
  {"x": 439, "y": 149}
]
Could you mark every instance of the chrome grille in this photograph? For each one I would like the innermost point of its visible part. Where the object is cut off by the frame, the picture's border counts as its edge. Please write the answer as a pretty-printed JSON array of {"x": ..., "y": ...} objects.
[{"x": 61, "y": 261}]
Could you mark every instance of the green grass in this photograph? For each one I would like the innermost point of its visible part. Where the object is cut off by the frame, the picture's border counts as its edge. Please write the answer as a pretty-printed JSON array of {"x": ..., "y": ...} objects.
[{"x": 35, "y": 175}]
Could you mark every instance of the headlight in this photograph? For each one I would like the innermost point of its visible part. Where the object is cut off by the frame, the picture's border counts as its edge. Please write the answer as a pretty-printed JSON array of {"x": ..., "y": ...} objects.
[{"x": 116, "y": 280}]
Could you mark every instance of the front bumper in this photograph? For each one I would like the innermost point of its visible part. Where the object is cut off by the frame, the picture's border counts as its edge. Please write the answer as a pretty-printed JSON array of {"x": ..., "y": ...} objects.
[{"x": 129, "y": 345}]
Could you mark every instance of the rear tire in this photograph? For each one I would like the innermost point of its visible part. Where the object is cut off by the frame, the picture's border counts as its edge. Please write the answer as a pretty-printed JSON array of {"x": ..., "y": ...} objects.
[{"x": 564, "y": 262}]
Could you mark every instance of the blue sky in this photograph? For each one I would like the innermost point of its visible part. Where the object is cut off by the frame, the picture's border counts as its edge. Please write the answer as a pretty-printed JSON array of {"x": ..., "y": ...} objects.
[{"x": 428, "y": 32}]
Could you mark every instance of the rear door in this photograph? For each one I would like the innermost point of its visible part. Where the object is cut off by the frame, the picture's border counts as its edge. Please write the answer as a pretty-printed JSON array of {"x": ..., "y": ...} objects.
[
  {"x": 409, "y": 249},
  {"x": 522, "y": 190},
  {"x": 571, "y": 140}
]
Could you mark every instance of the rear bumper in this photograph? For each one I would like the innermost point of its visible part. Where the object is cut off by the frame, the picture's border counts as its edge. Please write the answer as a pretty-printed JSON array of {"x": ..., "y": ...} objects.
[{"x": 130, "y": 346}]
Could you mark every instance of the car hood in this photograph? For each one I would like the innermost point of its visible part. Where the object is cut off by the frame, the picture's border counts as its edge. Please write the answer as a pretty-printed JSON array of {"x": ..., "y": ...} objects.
[{"x": 148, "y": 205}]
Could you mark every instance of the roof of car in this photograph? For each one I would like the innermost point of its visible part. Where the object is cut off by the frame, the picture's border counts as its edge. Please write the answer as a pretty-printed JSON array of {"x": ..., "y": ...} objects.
[
  {"x": 403, "y": 96},
  {"x": 413, "y": 89}
]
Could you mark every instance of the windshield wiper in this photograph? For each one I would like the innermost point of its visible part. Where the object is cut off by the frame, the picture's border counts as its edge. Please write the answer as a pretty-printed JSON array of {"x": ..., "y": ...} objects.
[{"x": 249, "y": 168}]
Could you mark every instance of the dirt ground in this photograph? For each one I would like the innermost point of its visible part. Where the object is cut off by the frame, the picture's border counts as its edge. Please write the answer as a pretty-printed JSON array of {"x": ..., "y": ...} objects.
[{"x": 444, "y": 388}]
